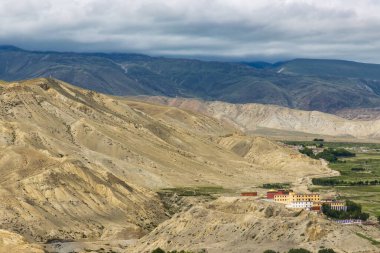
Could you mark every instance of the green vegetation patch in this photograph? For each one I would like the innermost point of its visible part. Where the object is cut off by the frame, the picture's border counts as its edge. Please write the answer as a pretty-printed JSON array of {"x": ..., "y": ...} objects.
[
  {"x": 346, "y": 145},
  {"x": 360, "y": 174},
  {"x": 354, "y": 211},
  {"x": 196, "y": 191},
  {"x": 276, "y": 186},
  {"x": 367, "y": 196},
  {"x": 328, "y": 154}
]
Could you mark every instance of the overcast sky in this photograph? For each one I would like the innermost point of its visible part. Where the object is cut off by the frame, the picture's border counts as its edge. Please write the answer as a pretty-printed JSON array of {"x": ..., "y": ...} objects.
[{"x": 236, "y": 29}]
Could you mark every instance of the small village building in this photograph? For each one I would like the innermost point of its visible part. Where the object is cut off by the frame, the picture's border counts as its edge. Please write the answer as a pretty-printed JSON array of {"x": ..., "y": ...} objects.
[
  {"x": 337, "y": 205},
  {"x": 272, "y": 193},
  {"x": 316, "y": 209},
  {"x": 313, "y": 197},
  {"x": 295, "y": 197},
  {"x": 248, "y": 194},
  {"x": 302, "y": 204}
]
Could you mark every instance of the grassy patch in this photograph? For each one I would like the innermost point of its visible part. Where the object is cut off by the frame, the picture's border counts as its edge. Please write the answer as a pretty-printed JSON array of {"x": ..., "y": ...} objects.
[
  {"x": 368, "y": 158},
  {"x": 197, "y": 191}
]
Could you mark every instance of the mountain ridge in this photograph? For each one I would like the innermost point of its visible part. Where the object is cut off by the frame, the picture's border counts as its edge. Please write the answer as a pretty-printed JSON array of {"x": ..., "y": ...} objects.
[
  {"x": 313, "y": 85},
  {"x": 251, "y": 118}
]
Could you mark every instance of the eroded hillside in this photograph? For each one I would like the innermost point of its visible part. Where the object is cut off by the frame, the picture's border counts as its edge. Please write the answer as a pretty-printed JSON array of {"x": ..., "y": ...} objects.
[
  {"x": 11, "y": 242},
  {"x": 78, "y": 165},
  {"x": 241, "y": 225},
  {"x": 264, "y": 119}
]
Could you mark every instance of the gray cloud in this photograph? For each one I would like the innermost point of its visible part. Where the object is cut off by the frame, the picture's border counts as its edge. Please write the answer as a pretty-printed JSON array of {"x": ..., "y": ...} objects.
[{"x": 238, "y": 29}]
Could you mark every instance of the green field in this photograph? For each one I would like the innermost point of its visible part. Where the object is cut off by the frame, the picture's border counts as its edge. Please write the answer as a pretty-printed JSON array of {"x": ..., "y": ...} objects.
[
  {"x": 370, "y": 162},
  {"x": 196, "y": 191},
  {"x": 368, "y": 159}
]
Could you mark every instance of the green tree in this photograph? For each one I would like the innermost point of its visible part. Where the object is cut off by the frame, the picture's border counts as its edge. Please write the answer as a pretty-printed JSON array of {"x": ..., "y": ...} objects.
[
  {"x": 270, "y": 251},
  {"x": 300, "y": 250},
  {"x": 364, "y": 216},
  {"x": 326, "y": 251},
  {"x": 158, "y": 250},
  {"x": 378, "y": 218},
  {"x": 327, "y": 155},
  {"x": 307, "y": 151}
]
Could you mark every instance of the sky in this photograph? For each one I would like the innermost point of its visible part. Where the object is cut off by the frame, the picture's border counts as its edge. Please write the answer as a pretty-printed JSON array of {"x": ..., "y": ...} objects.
[{"x": 249, "y": 30}]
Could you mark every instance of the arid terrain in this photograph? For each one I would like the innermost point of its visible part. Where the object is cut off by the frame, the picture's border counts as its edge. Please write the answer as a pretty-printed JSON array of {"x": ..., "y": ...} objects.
[
  {"x": 231, "y": 224},
  {"x": 12, "y": 242},
  {"x": 276, "y": 120},
  {"x": 82, "y": 169},
  {"x": 360, "y": 113}
]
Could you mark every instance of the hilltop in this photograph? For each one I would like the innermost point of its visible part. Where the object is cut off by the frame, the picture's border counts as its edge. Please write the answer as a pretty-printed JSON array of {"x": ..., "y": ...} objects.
[{"x": 323, "y": 85}]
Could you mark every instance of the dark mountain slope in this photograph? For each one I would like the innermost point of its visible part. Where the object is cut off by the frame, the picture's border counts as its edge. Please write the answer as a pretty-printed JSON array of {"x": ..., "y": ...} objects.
[
  {"x": 338, "y": 68},
  {"x": 322, "y": 85}
]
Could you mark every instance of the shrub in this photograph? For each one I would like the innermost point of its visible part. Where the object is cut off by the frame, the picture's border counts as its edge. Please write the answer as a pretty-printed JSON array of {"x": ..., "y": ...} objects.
[
  {"x": 326, "y": 251},
  {"x": 158, "y": 250},
  {"x": 300, "y": 250},
  {"x": 357, "y": 169},
  {"x": 308, "y": 152},
  {"x": 270, "y": 251}
]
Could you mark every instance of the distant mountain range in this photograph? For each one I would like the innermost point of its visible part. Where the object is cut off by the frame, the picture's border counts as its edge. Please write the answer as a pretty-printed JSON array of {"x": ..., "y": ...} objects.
[{"x": 323, "y": 85}]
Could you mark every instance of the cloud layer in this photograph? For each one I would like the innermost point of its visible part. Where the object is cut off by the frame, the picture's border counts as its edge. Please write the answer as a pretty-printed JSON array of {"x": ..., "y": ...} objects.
[{"x": 240, "y": 29}]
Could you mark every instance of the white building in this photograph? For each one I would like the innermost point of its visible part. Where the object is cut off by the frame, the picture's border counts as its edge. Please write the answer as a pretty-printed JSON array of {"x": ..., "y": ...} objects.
[{"x": 300, "y": 204}]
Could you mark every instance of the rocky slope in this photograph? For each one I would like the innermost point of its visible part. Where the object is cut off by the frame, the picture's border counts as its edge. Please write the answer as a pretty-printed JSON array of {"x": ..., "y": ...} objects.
[
  {"x": 271, "y": 155},
  {"x": 360, "y": 114},
  {"x": 78, "y": 165},
  {"x": 231, "y": 224},
  {"x": 11, "y": 242},
  {"x": 256, "y": 117}
]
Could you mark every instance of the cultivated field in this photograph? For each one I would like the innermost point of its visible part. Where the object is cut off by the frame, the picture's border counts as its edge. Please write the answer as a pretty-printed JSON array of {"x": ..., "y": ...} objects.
[{"x": 365, "y": 166}]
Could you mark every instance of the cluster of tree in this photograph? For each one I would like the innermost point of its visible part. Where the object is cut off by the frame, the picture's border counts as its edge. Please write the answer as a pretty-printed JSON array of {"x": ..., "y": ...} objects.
[
  {"x": 354, "y": 211},
  {"x": 341, "y": 152},
  {"x": 321, "y": 140},
  {"x": 301, "y": 250},
  {"x": 276, "y": 186},
  {"x": 329, "y": 154},
  {"x": 338, "y": 182},
  {"x": 325, "y": 154}
]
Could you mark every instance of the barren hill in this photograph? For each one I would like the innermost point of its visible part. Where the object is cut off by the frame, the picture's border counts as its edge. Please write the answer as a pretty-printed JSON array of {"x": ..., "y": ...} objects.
[
  {"x": 258, "y": 118},
  {"x": 11, "y": 242},
  {"x": 231, "y": 224},
  {"x": 78, "y": 165}
]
